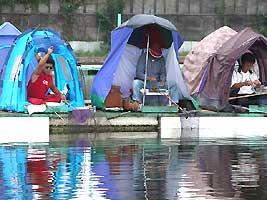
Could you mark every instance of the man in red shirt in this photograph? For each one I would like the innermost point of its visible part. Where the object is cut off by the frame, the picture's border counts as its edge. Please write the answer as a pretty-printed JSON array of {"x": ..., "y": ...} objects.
[{"x": 42, "y": 80}]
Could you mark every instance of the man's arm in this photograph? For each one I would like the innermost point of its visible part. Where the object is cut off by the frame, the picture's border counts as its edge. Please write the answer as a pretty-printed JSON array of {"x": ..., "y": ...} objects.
[
  {"x": 239, "y": 85},
  {"x": 257, "y": 83},
  {"x": 41, "y": 65},
  {"x": 237, "y": 81},
  {"x": 56, "y": 91},
  {"x": 255, "y": 80}
]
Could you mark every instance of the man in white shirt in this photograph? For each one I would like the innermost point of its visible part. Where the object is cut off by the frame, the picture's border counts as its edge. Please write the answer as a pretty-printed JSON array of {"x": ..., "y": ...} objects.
[{"x": 244, "y": 80}]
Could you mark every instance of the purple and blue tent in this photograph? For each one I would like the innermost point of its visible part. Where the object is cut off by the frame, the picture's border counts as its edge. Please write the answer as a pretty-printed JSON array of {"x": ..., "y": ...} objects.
[{"x": 127, "y": 44}]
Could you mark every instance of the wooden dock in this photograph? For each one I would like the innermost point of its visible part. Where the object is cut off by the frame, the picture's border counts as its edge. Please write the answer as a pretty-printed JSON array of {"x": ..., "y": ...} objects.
[{"x": 167, "y": 124}]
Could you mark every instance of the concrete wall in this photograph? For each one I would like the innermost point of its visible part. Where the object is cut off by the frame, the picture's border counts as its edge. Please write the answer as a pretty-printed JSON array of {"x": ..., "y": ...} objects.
[
  {"x": 85, "y": 46},
  {"x": 193, "y": 18}
]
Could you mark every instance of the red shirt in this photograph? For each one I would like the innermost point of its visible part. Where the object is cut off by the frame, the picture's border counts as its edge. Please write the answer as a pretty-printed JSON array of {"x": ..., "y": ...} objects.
[{"x": 39, "y": 88}]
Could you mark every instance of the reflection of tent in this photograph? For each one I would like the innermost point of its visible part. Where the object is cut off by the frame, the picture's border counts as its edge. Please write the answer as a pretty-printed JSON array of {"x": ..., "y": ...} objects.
[
  {"x": 8, "y": 33},
  {"x": 196, "y": 60},
  {"x": 215, "y": 86},
  {"x": 101, "y": 169},
  {"x": 13, "y": 172},
  {"x": 22, "y": 61},
  {"x": 126, "y": 41}
]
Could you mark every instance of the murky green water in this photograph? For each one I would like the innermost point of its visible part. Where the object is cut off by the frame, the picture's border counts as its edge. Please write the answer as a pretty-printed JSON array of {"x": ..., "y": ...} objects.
[{"x": 135, "y": 169}]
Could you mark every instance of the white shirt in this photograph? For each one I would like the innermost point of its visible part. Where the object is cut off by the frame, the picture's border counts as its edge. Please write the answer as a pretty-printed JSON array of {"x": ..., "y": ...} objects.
[{"x": 242, "y": 77}]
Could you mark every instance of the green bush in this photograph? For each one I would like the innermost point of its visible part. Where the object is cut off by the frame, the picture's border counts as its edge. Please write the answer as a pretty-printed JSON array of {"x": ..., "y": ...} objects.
[
  {"x": 107, "y": 17},
  {"x": 96, "y": 53}
]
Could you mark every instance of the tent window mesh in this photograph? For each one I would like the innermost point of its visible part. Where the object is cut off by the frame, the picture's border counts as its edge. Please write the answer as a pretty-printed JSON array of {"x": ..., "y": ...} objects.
[{"x": 64, "y": 67}]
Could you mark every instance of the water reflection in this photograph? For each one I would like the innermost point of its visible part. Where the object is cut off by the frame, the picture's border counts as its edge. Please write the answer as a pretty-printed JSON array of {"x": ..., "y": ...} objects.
[{"x": 135, "y": 169}]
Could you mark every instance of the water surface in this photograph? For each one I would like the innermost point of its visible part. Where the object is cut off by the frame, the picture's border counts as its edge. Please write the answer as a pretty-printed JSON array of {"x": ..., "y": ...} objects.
[{"x": 125, "y": 169}]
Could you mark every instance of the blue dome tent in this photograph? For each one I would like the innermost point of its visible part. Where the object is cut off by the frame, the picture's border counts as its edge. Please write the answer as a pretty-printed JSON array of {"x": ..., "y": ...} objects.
[
  {"x": 22, "y": 61},
  {"x": 127, "y": 43},
  {"x": 8, "y": 33}
]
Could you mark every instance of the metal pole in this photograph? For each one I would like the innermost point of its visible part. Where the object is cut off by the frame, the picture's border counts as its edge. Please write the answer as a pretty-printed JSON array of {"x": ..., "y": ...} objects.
[
  {"x": 119, "y": 20},
  {"x": 144, "y": 93}
]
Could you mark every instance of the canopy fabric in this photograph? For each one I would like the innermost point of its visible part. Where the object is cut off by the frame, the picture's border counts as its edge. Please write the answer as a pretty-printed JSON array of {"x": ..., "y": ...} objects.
[
  {"x": 196, "y": 60},
  {"x": 174, "y": 74},
  {"x": 9, "y": 29},
  {"x": 104, "y": 77},
  {"x": 43, "y": 43},
  {"x": 120, "y": 66},
  {"x": 143, "y": 19},
  {"x": 215, "y": 86},
  {"x": 8, "y": 33},
  {"x": 158, "y": 29},
  {"x": 155, "y": 34}
]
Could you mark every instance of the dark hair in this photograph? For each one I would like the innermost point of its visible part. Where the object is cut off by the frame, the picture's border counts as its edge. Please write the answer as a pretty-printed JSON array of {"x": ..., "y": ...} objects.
[
  {"x": 50, "y": 60},
  {"x": 247, "y": 57}
]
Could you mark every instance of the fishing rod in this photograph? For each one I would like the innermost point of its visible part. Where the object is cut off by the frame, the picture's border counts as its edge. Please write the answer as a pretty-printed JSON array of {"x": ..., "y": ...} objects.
[
  {"x": 177, "y": 105},
  {"x": 53, "y": 110},
  {"x": 119, "y": 115},
  {"x": 247, "y": 95}
]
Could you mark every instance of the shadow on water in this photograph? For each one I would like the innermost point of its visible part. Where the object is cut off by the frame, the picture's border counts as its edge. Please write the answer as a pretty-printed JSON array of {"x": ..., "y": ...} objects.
[{"x": 135, "y": 166}]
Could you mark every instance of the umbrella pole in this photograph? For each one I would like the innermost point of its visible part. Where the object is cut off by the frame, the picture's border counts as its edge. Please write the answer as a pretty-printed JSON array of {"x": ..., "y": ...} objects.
[{"x": 144, "y": 94}]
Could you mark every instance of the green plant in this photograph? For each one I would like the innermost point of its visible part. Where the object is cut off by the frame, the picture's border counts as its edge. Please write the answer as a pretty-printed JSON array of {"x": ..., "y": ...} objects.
[
  {"x": 220, "y": 11},
  {"x": 32, "y": 3},
  {"x": 107, "y": 17},
  {"x": 7, "y": 2},
  {"x": 96, "y": 53},
  {"x": 260, "y": 24},
  {"x": 183, "y": 53},
  {"x": 68, "y": 9},
  {"x": 219, "y": 7}
]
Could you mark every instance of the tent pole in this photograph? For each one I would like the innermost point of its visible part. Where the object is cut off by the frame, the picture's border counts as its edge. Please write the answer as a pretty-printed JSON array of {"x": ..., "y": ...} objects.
[{"x": 144, "y": 94}]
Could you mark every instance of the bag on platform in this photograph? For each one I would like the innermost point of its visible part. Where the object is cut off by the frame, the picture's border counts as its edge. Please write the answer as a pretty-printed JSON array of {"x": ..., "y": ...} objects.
[{"x": 114, "y": 99}]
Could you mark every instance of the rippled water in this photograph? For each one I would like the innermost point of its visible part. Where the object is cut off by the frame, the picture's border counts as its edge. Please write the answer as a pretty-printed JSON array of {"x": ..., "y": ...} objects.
[{"x": 135, "y": 169}]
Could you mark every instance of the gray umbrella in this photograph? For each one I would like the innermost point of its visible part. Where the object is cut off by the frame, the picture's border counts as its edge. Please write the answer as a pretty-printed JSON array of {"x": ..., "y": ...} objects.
[
  {"x": 143, "y": 19},
  {"x": 158, "y": 29}
]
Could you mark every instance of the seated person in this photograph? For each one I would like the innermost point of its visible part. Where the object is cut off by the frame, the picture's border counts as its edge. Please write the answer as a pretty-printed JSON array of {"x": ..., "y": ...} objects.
[
  {"x": 244, "y": 81},
  {"x": 156, "y": 74},
  {"x": 42, "y": 80}
]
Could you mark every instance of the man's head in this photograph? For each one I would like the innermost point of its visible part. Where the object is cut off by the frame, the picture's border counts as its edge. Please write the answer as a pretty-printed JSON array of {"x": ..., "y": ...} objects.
[
  {"x": 247, "y": 61},
  {"x": 49, "y": 65},
  {"x": 155, "y": 50}
]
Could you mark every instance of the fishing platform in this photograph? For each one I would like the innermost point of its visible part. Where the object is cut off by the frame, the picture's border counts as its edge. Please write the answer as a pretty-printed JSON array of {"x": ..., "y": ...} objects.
[{"x": 165, "y": 121}]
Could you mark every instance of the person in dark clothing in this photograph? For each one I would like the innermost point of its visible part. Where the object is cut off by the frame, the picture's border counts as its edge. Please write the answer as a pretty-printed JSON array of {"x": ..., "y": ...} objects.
[{"x": 155, "y": 74}]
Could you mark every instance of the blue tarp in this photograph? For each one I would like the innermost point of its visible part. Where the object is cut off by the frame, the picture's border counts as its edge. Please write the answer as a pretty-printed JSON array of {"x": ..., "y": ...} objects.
[{"x": 104, "y": 78}]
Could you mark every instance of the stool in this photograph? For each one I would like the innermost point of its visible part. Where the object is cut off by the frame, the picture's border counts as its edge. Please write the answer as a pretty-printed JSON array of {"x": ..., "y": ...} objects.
[{"x": 155, "y": 92}]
